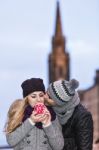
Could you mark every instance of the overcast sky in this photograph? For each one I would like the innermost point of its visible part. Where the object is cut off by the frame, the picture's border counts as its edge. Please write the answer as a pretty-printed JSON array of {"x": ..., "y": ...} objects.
[{"x": 26, "y": 29}]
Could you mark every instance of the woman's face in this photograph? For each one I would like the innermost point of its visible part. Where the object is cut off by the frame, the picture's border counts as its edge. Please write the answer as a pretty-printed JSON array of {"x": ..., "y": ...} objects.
[{"x": 35, "y": 97}]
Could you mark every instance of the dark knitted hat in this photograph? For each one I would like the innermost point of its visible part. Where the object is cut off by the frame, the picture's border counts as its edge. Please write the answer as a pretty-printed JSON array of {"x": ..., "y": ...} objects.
[
  {"x": 62, "y": 90},
  {"x": 32, "y": 85}
]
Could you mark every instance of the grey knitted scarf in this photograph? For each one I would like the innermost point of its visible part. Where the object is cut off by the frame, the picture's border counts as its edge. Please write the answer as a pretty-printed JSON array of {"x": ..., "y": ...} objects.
[{"x": 65, "y": 111}]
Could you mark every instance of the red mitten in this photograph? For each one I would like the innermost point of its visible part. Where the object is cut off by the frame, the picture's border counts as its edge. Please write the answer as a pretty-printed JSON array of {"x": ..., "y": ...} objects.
[{"x": 39, "y": 108}]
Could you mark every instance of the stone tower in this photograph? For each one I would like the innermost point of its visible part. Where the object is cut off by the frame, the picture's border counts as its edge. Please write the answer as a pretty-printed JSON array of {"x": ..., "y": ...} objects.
[{"x": 58, "y": 58}]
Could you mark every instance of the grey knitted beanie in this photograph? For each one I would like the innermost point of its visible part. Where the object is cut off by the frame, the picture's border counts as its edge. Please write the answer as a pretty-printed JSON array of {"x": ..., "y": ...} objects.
[{"x": 62, "y": 90}]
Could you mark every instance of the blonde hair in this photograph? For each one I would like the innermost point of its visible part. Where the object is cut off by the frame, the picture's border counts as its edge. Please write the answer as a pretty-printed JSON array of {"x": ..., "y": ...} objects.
[{"x": 15, "y": 114}]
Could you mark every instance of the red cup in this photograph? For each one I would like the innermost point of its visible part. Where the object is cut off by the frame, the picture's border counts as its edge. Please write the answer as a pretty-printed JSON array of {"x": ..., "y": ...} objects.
[{"x": 39, "y": 108}]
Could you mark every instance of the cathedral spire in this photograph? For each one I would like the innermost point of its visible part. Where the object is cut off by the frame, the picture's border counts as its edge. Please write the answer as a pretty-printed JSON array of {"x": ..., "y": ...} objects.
[
  {"x": 58, "y": 58},
  {"x": 58, "y": 27}
]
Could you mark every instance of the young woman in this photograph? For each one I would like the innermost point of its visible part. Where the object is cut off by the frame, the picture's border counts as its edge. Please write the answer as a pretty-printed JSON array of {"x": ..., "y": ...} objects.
[{"x": 28, "y": 130}]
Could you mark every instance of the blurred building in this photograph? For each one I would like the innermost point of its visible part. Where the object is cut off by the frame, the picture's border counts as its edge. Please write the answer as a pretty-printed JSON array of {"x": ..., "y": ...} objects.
[
  {"x": 59, "y": 57},
  {"x": 90, "y": 98},
  {"x": 59, "y": 68}
]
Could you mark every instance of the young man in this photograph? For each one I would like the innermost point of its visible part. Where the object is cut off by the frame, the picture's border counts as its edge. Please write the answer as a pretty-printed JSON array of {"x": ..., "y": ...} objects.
[{"x": 76, "y": 120}]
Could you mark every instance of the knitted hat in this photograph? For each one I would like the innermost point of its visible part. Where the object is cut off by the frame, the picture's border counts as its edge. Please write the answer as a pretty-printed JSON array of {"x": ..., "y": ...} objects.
[
  {"x": 62, "y": 90},
  {"x": 32, "y": 85}
]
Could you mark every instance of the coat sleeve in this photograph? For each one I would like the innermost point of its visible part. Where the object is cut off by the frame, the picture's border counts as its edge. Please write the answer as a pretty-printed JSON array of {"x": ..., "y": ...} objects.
[
  {"x": 19, "y": 133},
  {"x": 54, "y": 135},
  {"x": 84, "y": 132}
]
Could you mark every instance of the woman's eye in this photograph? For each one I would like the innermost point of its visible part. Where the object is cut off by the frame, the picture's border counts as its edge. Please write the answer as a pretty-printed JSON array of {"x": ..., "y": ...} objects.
[
  {"x": 41, "y": 95},
  {"x": 33, "y": 96}
]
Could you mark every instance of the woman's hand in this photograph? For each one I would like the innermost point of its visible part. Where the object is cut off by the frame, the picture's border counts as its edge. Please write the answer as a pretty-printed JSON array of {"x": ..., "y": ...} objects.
[
  {"x": 36, "y": 117},
  {"x": 45, "y": 117},
  {"x": 47, "y": 120}
]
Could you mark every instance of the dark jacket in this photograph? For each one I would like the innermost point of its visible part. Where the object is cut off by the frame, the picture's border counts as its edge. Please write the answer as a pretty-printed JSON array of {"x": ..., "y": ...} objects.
[{"x": 78, "y": 131}]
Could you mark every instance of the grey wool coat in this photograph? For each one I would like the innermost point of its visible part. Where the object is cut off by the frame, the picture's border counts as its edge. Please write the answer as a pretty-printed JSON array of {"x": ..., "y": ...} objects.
[{"x": 29, "y": 137}]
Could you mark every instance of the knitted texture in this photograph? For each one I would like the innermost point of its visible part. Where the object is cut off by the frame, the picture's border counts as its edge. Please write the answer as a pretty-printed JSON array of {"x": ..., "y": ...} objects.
[
  {"x": 32, "y": 85},
  {"x": 66, "y": 98},
  {"x": 62, "y": 90}
]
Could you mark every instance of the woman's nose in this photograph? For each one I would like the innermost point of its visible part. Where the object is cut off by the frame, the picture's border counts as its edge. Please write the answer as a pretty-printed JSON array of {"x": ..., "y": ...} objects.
[{"x": 38, "y": 99}]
